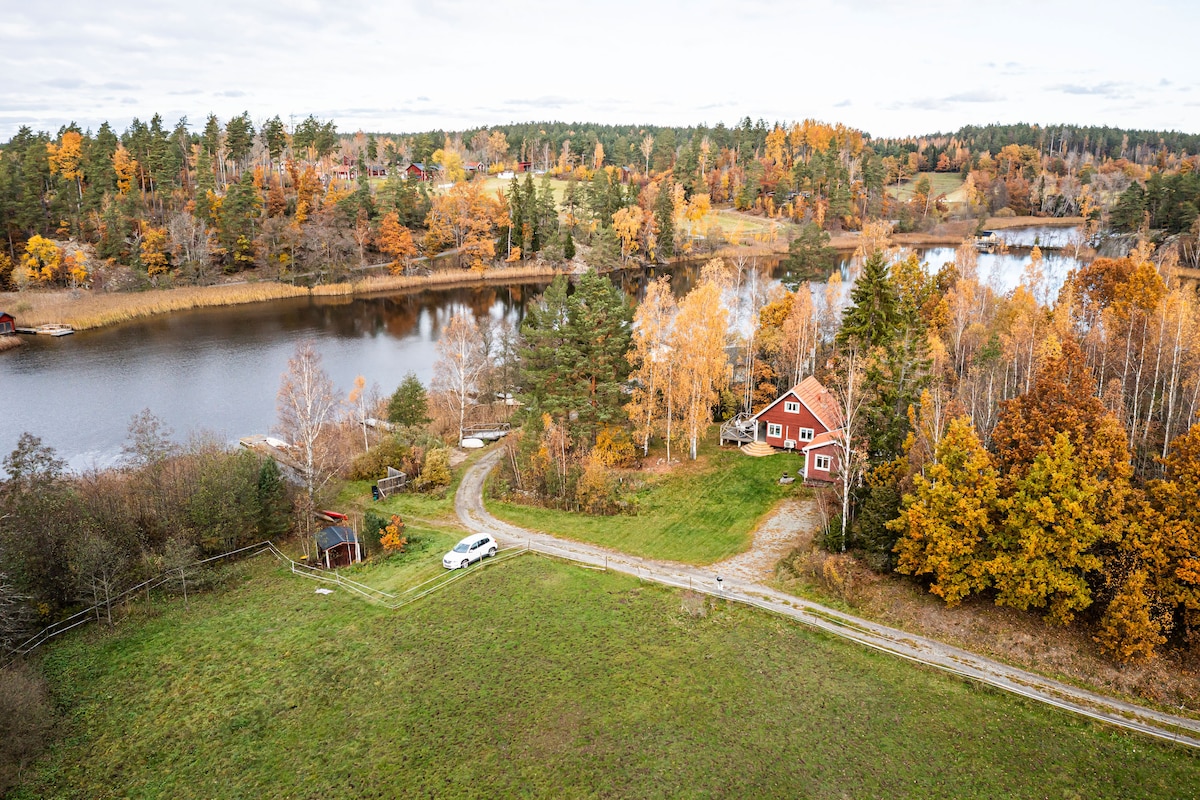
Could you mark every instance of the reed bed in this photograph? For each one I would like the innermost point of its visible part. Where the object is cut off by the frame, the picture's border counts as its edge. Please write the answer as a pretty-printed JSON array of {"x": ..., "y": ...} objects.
[
  {"x": 9, "y": 343},
  {"x": 84, "y": 310},
  {"x": 399, "y": 283}
]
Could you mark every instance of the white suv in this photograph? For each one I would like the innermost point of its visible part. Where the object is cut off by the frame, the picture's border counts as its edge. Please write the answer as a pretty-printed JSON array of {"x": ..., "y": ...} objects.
[{"x": 472, "y": 548}]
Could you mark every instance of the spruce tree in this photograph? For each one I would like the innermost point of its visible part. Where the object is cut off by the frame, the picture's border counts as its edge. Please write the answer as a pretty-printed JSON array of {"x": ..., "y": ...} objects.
[{"x": 664, "y": 212}]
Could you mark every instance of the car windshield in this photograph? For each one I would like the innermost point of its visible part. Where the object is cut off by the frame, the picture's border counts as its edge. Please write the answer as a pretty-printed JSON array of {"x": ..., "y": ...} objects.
[{"x": 462, "y": 547}]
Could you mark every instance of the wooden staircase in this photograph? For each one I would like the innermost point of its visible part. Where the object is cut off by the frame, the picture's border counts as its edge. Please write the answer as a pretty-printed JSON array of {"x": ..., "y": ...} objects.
[{"x": 758, "y": 449}]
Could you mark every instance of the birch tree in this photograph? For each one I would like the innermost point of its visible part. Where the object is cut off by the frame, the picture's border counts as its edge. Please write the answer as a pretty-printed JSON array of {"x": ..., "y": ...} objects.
[
  {"x": 849, "y": 393},
  {"x": 700, "y": 366},
  {"x": 307, "y": 404},
  {"x": 648, "y": 357},
  {"x": 460, "y": 366}
]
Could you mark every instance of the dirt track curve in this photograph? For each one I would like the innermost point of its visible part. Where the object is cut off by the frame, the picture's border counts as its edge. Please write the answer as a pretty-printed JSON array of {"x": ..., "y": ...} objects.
[{"x": 468, "y": 503}]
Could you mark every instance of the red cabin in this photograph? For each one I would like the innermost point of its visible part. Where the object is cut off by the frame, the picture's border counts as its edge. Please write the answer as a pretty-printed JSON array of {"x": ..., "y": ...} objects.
[
  {"x": 804, "y": 418},
  {"x": 8, "y": 325}
]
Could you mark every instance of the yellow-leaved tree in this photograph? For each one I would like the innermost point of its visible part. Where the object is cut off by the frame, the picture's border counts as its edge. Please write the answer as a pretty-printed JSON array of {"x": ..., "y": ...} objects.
[
  {"x": 125, "y": 166},
  {"x": 392, "y": 537},
  {"x": 627, "y": 224},
  {"x": 154, "y": 250},
  {"x": 66, "y": 159},
  {"x": 943, "y": 522},
  {"x": 396, "y": 241},
  {"x": 700, "y": 367},
  {"x": 42, "y": 260},
  {"x": 650, "y": 358},
  {"x": 465, "y": 218}
]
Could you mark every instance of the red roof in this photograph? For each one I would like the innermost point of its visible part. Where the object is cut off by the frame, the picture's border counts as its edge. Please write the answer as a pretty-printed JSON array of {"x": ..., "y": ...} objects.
[
  {"x": 823, "y": 439},
  {"x": 819, "y": 401},
  {"x": 816, "y": 398}
]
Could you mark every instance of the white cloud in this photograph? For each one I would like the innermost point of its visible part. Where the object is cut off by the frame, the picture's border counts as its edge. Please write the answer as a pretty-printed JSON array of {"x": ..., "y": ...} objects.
[{"x": 888, "y": 68}]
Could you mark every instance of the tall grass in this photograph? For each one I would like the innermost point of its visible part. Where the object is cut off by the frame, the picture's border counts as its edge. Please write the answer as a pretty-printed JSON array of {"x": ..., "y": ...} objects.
[
  {"x": 84, "y": 310},
  {"x": 9, "y": 343},
  {"x": 446, "y": 278}
]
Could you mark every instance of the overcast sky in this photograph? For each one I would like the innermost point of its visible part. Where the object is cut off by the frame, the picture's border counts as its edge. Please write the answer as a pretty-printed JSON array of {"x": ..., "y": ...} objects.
[{"x": 889, "y": 68}]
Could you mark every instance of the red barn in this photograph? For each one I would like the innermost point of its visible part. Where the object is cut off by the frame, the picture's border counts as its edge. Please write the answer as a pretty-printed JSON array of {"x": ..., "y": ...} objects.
[{"x": 7, "y": 324}]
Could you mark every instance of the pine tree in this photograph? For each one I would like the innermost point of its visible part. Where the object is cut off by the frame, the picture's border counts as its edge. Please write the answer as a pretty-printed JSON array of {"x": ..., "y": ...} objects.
[{"x": 573, "y": 361}]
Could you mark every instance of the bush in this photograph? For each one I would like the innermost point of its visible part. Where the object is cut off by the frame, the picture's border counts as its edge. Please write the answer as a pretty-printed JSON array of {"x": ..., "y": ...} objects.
[
  {"x": 26, "y": 720},
  {"x": 372, "y": 465},
  {"x": 435, "y": 472}
]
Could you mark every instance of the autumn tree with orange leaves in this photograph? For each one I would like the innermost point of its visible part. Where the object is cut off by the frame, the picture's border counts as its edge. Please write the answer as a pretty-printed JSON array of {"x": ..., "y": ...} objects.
[{"x": 466, "y": 219}]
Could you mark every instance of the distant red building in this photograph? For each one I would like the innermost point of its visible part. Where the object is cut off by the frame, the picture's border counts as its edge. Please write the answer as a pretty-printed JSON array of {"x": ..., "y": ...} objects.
[
  {"x": 7, "y": 324},
  {"x": 419, "y": 172}
]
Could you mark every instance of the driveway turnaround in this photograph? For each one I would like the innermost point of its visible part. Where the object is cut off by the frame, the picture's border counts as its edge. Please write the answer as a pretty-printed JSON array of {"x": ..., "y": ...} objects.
[{"x": 468, "y": 503}]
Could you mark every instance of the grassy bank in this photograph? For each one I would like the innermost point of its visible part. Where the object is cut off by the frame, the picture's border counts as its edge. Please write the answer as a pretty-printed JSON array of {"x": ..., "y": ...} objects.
[
  {"x": 9, "y": 343},
  {"x": 698, "y": 513},
  {"x": 537, "y": 679}
]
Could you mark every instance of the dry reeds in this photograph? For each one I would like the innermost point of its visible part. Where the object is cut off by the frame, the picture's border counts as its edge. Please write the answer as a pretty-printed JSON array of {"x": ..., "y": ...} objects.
[
  {"x": 84, "y": 310},
  {"x": 9, "y": 343},
  {"x": 399, "y": 283}
]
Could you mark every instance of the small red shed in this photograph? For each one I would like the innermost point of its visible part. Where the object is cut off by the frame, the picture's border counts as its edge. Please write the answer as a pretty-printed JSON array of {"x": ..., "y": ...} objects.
[
  {"x": 338, "y": 546},
  {"x": 8, "y": 325}
]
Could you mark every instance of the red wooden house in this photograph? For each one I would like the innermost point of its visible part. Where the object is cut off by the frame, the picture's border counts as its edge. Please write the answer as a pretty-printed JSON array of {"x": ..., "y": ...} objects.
[
  {"x": 419, "y": 172},
  {"x": 7, "y": 324},
  {"x": 805, "y": 418}
]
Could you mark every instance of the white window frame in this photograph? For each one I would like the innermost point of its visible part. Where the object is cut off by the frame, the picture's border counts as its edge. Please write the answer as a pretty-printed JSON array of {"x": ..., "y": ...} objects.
[
  {"x": 806, "y": 434},
  {"x": 774, "y": 430},
  {"x": 822, "y": 463},
  {"x": 791, "y": 406}
]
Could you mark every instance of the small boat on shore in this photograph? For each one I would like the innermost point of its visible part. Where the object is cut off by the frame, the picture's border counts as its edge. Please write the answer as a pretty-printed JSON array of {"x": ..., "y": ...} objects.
[{"x": 49, "y": 329}]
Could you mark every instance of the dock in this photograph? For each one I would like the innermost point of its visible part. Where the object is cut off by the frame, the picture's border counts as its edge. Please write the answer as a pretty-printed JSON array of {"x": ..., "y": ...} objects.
[
  {"x": 284, "y": 454},
  {"x": 49, "y": 329}
]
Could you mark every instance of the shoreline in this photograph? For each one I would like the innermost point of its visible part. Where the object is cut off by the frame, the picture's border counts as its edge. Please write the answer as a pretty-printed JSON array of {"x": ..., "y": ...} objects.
[{"x": 85, "y": 310}]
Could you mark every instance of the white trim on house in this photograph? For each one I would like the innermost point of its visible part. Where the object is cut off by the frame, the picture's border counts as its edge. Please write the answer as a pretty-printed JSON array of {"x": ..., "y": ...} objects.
[
  {"x": 826, "y": 466},
  {"x": 805, "y": 434},
  {"x": 774, "y": 430},
  {"x": 792, "y": 407}
]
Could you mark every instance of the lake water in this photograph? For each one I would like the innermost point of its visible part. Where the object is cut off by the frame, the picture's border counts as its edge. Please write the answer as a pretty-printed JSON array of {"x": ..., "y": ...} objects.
[{"x": 218, "y": 370}]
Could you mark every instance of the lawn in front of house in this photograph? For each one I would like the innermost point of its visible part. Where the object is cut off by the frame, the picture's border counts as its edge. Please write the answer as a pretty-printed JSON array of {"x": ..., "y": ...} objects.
[{"x": 697, "y": 512}]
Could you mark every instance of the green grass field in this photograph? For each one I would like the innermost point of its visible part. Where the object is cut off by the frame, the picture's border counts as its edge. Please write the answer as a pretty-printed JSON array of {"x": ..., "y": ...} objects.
[
  {"x": 943, "y": 183},
  {"x": 698, "y": 515},
  {"x": 538, "y": 679}
]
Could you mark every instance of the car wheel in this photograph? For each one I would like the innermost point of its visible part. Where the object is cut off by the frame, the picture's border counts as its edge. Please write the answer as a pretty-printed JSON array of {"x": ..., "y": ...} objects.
[
  {"x": 464, "y": 564},
  {"x": 491, "y": 552}
]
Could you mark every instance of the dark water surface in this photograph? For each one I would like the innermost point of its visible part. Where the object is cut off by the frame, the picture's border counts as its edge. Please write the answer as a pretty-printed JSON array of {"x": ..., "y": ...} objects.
[{"x": 218, "y": 370}]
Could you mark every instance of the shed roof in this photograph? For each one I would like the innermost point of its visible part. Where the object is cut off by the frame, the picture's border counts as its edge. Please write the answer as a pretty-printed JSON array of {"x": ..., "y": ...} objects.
[
  {"x": 335, "y": 535},
  {"x": 823, "y": 439}
]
